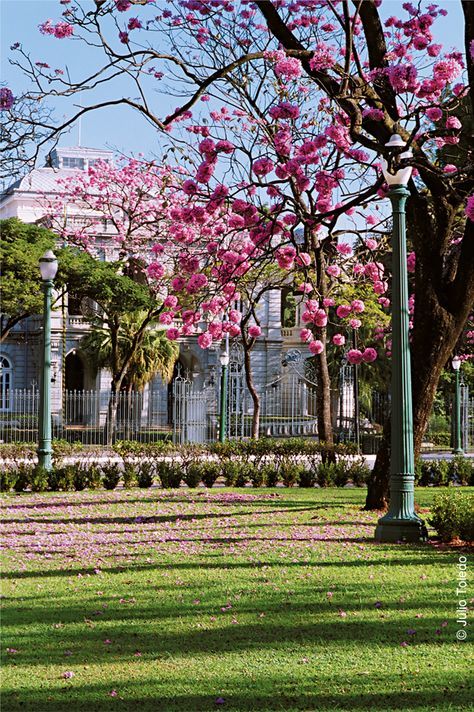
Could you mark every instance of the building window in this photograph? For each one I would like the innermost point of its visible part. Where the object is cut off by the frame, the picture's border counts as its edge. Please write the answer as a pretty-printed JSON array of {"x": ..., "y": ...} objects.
[
  {"x": 288, "y": 308},
  {"x": 74, "y": 304},
  {"x": 6, "y": 374},
  {"x": 69, "y": 162}
]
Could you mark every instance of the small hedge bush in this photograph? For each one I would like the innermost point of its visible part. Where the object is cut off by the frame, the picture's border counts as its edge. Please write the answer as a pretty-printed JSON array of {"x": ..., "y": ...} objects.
[{"x": 452, "y": 515}]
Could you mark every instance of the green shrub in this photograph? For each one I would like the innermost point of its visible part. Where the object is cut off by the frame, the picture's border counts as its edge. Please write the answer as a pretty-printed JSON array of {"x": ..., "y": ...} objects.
[
  {"x": 244, "y": 474},
  {"x": 452, "y": 515},
  {"x": 39, "y": 479},
  {"x": 230, "y": 471},
  {"x": 129, "y": 475},
  {"x": 271, "y": 476},
  {"x": 7, "y": 480},
  {"x": 87, "y": 475},
  {"x": 194, "y": 473},
  {"x": 61, "y": 479},
  {"x": 111, "y": 475},
  {"x": 257, "y": 475},
  {"x": 358, "y": 472},
  {"x": 326, "y": 474},
  {"x": 22, "y": 474},
  {"x": 434, "y": 472},
  {"x": 307, "y": 477},
  {"x": 290, "y": 473},
  {"x": 211, "y": 471},
  {"x": 170, "y": 474},
  {"x": 461, "y": 470},
  {"x": 145, "y": 474}
]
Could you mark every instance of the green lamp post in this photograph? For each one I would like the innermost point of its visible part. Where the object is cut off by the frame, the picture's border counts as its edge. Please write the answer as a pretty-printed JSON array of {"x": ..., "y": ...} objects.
[
  {"x": 48, "y": 266},
  {"x": 456, "y": 364},
  {"x": 400, "y": 523},
  {"x": 224, "y": 359}
]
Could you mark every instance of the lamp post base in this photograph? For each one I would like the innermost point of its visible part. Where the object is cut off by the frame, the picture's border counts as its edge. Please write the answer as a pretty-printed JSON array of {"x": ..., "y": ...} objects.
[
  {"x": 403, "y": 530},
  {"x": 458, "y": 451}
]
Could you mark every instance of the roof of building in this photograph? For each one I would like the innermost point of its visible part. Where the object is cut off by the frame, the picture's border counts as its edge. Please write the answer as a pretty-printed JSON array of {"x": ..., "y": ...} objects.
[{"x": 41, "y": 180}]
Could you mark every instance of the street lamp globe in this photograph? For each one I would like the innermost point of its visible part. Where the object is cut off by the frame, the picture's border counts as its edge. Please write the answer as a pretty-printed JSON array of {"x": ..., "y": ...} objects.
[
  {"x": 48, "y": 265},
  {"x": 224, "y": 358},
  {"x": 456, "y": 363},
  {"x": 403, "y": 175}
]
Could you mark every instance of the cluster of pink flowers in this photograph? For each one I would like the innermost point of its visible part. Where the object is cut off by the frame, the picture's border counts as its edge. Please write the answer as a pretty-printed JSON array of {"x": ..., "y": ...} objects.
[
  {"x": 59, "y": 30},
  {"x": 6, "y": 99},
  {"x": 285, "y": 67},
  {"x": 323, "y": 57},
  {"x": 355, "y": 356}
]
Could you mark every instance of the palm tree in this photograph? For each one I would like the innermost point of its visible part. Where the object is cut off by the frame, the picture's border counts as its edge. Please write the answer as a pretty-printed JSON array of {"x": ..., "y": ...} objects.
[{"x": 146, "y": 357}]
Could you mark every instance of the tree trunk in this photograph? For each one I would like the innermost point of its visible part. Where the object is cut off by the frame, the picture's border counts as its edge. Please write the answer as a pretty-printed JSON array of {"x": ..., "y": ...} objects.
[
  {"x": 378, "y": 485},
  {"x": 111, "y": 420},
  {"x": 253, "y": 393},
  {"x": 323, "y": 398}
]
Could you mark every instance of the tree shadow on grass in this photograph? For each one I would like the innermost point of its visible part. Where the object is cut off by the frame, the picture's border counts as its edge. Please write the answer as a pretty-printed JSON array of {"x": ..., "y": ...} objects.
[
  {"x": 201, "y": 565},
  {"x": 139, "y": 519},
  {"x": 272, "y": 698}
]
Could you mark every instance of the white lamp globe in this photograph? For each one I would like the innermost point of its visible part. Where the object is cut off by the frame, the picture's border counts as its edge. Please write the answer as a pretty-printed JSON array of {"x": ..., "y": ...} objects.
[{"x": 402, "y": 176}]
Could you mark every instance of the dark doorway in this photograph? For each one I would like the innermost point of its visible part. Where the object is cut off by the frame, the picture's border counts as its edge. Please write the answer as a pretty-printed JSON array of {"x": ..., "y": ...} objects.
[{"x": 74, "y": 372}]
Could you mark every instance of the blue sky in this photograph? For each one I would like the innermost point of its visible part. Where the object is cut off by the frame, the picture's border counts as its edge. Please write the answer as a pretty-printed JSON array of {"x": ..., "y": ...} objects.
[{"x": 120, "y": 128}]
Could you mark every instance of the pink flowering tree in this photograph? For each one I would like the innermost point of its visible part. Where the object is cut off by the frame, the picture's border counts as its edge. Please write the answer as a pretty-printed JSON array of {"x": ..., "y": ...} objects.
[{"x": 360, "y": 79}]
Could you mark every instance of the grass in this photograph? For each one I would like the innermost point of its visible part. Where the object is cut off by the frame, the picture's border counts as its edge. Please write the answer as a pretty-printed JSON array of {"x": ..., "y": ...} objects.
[{"x": 225, "y": 599}]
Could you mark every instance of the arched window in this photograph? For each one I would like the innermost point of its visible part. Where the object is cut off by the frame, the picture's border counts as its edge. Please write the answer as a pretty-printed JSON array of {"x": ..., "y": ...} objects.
[{"x": 6, "y": 375}]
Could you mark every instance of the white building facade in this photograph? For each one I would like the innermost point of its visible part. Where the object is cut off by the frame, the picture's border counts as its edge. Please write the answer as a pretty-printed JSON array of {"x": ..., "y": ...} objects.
[{"x": 72, "y": 372}]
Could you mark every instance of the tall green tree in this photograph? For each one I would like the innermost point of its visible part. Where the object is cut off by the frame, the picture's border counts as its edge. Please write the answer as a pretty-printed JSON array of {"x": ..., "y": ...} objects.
[{"x": 21, "y": 246}]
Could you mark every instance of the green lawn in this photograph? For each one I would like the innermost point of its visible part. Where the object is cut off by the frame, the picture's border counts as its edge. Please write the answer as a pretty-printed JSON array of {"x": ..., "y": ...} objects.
[{"x": 223, "y": 599}]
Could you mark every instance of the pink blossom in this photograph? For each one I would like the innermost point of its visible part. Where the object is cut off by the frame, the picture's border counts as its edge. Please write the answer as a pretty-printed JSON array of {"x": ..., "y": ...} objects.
[
  {"x": 323, "y": 57},
  {"x": 333, "y": 271},
  {"x": 411, "y": 262},
  {"x": 67, "y": 675},
  {"x": 305, "y": 335},
  {"x": 371, "y": 244},
  {"x": 288, "y": 68},
  {"x": 358, "y": 306},
  {"x": 284, "y": 110},
  {"x": 235, "y": 316},
  {"x": 343, "y": 311},
  {"x": 452, "y": 122},
  {"x": 123, "y": 37},
  {"x": 224, "y": 146},
  {"x": 205, "y": 340},
  {"x": 316, "y": 347},
  {"x": 155, "y": 270},
  {"x": 338, "y": 340},
  {"x": 170, "y": 301},
  {"x": 380, "y": 287},
  {"x": 303, "y": 259},
  {"x": 123, "y": 5},
  {"x": 6, "y": 99},
  {"x": 178, "y": 283},
  {"x": 190, "y": 187},
  {"x": 470, "y": 208},
  {"x": 449, "y": 169},
  {"x": 262, "y": 166},
  {"x": 172, "y": 334},
  {"x": 255, "y": 331},
  {"x": 328, "y": 302},
  {"x": 369, "y": 355},
  {"x": 354, "y": 356},
  {"x": 355, "y": 323},
  {"x": 320, "y": 318},
  {"x": 196, "y": 282},
  {"x": 134, "y": 23},
  {"x": 344, "y": 249},
  {"x": 384, "y": 302}
]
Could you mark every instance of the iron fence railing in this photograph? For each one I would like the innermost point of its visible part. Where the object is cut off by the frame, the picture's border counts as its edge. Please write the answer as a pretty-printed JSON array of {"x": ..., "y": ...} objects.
[{"x": 185, "y": 413}]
